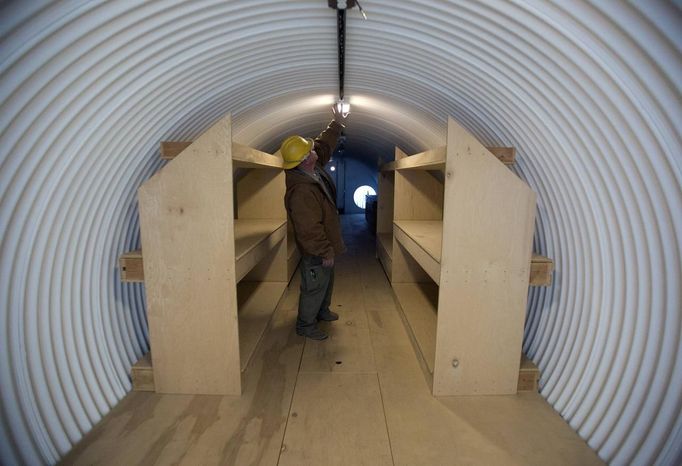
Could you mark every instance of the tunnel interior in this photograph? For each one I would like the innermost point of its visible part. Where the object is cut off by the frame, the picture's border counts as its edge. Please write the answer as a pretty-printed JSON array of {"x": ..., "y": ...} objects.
[{"x": 587, "y": 93}]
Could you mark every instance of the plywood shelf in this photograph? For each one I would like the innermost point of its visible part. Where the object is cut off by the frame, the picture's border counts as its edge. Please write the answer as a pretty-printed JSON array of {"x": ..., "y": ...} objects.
[
  {"x": 428, "y": 160},
  {"x": 242, "y": 156},
  {"x": 246, "y": 157},
  {"x": 435, "y": 159},
  {"x": 541, "y": 268},
  {"x": 423, "y": 240},
  {"x": 253, "y": 240}
]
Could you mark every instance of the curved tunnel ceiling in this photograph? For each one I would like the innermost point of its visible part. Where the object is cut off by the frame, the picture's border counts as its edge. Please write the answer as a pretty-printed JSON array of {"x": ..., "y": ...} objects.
[{"x": 588, "y": 93}]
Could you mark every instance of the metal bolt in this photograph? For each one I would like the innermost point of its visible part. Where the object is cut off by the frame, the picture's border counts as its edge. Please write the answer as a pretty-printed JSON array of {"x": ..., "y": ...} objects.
[{"x": 455, "y": 363}]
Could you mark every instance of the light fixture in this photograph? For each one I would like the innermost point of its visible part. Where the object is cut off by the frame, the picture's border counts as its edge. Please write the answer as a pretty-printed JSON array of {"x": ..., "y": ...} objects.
[{"x": 343, "y": 108}]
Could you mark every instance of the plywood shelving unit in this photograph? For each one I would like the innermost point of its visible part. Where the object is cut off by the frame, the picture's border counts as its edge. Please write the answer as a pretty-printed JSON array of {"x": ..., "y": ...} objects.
[
  {"x": 216, "y": 260},
  {"x": 460, "y": 260}
]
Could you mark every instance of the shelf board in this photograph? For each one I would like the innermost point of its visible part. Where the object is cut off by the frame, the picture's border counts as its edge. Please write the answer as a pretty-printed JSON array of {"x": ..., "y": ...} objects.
[
  {"x": 253, "y": 239},
  {"x": 423, "y": 240},
  {"x": 435, "y": 159},
  {"x": 429, "y": 160},
  {"x": 541, "y": 268},
  {"x": 419, "y": 303},
  {"x": 242, "y": 156},
  {"x": 256, "y": 302},
  {"x": 246, "y": 157}
]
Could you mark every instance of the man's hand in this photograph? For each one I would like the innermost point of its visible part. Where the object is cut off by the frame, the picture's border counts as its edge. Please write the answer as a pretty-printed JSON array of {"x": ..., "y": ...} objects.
[
  {"x": 328, "y": 262},
  {"x": 338, "y": 116}
]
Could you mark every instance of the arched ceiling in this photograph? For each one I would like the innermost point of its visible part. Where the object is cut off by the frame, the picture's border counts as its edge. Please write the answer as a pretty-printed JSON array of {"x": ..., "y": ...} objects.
[{"x": 587, "y": 92}]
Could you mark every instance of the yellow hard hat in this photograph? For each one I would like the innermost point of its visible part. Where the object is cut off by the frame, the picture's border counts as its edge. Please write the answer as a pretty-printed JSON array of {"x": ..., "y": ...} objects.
[{"x": 294, "y": 150}]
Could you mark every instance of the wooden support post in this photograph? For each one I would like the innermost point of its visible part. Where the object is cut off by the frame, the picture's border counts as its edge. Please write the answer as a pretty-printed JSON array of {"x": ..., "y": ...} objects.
[
  {"x": 171, "y": 149},
  {"x": 131, "y": 266},
  {"x": 506, "y": 155},
  {"x": 541, "y": 269},
  {"x": 142, "y": 374},
  {"x": 529, "y": 375}
]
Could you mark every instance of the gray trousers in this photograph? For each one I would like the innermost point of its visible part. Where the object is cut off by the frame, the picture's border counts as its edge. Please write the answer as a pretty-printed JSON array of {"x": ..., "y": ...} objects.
[{"x": 317, "y": 284}]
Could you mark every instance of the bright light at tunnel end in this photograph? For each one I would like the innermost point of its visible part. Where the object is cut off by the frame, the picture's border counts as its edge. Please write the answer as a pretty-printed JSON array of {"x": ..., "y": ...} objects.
[{"x": 360, "y": 195}]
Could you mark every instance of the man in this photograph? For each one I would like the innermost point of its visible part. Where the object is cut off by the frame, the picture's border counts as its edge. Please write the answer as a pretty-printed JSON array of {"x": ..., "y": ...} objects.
[{"x": 310, "y": 201}]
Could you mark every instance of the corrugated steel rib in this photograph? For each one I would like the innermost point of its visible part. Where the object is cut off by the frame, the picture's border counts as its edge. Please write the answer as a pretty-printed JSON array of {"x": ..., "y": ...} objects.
[{"x": 587, "y": 92}]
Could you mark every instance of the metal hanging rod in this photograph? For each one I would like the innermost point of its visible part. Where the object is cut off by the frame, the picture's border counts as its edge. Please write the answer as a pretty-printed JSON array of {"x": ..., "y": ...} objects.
[{"x": 341, "y": 35}]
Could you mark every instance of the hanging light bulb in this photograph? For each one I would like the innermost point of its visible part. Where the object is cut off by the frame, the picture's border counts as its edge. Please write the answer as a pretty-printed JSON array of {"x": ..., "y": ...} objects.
[{"x": 343, "y": 108}]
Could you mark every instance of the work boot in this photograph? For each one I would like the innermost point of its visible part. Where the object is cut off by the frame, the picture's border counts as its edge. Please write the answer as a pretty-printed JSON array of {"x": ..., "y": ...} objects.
[
  {"x": 328, "y": 316},
  {"x": 314, "y": 334}
]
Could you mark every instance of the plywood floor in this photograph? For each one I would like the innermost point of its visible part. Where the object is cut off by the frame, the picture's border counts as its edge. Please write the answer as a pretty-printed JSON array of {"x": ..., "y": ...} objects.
[{"x": 358, "y": 398}]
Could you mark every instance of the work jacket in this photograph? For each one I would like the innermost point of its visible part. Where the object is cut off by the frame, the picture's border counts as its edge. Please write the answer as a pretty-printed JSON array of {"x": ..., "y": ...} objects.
[{"x": 311, "y": 207}]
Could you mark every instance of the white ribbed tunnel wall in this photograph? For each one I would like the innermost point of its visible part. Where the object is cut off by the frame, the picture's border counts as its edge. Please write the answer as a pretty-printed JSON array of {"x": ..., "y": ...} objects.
[{"x": 588, "y": 93}]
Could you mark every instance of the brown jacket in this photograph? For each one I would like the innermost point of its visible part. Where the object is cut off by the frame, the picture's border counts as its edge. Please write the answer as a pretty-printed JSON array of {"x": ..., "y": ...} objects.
[{"x": 317, "y": 228}]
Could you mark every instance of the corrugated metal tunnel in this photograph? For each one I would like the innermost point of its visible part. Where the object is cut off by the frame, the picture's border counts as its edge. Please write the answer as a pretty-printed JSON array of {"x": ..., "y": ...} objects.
[{"x": 587, "y": 92}]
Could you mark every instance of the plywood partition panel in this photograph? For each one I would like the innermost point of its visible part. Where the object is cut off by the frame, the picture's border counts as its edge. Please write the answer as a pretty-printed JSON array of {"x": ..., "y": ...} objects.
[
  {"x": 186, "y": 222},
  {"x": 385, "y": 202},
  {"x": 260, "y": 194},
  {"x": 487, "y": 237},
  {"x": 418, "y": 196}
]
